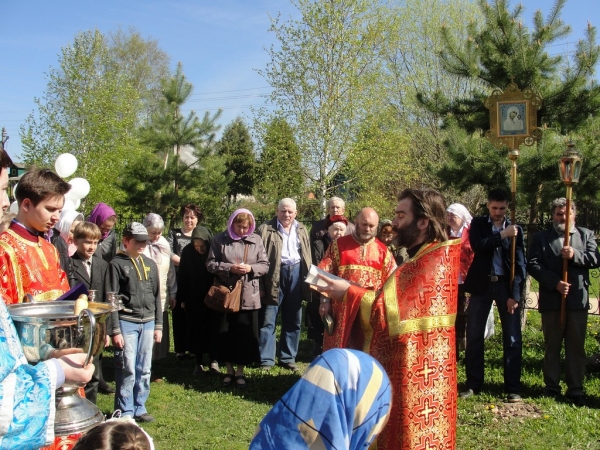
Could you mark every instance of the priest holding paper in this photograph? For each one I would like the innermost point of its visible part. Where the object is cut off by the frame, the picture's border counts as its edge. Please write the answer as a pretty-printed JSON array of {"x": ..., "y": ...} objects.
[
  {"x": 363, "y": 260},
  {"x": 409, "y": 325}
]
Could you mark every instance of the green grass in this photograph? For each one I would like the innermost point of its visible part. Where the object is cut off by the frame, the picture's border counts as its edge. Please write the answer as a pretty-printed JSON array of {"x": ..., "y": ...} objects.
[{"x": 197, "y": 413}]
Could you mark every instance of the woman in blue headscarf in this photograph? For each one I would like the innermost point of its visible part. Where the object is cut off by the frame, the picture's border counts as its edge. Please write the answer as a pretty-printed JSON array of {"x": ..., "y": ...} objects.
[
  {"x": 341, "y": 402},
  {"x": 238, "y": 338}
]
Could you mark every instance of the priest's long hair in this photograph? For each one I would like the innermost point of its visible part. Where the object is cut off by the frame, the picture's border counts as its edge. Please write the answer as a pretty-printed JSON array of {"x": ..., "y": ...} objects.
[{"x": 428, "y": 204}]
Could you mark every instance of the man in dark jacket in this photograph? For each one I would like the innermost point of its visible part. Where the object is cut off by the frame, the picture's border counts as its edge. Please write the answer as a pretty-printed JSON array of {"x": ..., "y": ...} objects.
[
  {"x": 546, "y": 265},
  {"x": 488, "y": 279},
  {"x": 135, "y": 329}
]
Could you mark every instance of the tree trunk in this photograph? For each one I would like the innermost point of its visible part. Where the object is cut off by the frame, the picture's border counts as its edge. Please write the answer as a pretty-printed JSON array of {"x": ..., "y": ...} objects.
[{"x": 323, "y": 195}]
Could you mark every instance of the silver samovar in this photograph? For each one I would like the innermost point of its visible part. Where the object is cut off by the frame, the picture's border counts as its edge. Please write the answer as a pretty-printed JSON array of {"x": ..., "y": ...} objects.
[{"x": 47, "y": 326}]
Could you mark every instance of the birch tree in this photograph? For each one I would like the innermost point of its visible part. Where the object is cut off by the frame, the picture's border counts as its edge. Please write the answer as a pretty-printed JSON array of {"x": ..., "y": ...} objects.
[
  {"x": 324, "y": 74},
  {"x": 89, "y": 109}
]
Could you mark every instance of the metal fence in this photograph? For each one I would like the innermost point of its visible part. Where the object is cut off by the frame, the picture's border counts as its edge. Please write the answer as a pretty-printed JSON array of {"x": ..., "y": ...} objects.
[{"x": 532, "y": 299}]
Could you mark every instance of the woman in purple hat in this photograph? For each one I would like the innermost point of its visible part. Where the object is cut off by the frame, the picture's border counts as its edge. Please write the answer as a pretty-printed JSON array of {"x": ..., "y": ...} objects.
[
  {"x": 237, "y": 343},
  {"x": 106, "y": 218}
]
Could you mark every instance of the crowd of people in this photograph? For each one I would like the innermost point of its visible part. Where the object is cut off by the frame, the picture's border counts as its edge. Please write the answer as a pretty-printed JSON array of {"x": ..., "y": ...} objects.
[{"x": 411, "y": 292}]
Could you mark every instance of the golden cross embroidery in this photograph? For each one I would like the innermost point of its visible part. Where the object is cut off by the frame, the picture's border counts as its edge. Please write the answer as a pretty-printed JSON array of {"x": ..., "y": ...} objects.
[
  {"x": 428, "y": 446},
  {"x": 425, "y": 413},
  {"x": 426, "y": 371}
]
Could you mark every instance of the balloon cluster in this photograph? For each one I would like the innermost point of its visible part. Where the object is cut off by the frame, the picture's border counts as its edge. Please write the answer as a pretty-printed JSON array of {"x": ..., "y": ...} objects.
[{"x": 65, "y": 166}]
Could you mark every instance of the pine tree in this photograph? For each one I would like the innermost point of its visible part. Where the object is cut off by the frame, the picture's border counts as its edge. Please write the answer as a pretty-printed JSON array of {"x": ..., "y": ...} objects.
[
  {"x": 499, "y": 51},
  {"x": 237, "y": 148},
  {"x": 161, "y": 181},
  {"x": 89, "y": 109},
  {"x": 503, "y": 50},
  {"x": 279, "y": 170}
]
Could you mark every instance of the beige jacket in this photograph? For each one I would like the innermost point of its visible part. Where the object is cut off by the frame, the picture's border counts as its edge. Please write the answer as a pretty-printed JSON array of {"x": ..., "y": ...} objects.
[{"x": 273, "y": 245}]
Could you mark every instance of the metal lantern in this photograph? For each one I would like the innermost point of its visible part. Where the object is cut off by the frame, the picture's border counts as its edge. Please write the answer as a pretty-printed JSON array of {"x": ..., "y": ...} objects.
[{"x": 570, "y": 165}]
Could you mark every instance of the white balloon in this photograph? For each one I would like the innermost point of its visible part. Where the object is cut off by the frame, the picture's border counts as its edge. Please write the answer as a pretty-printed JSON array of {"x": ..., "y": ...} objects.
[
  {"x": 14, "y": 207},
  {"x": 79, "y": 188},
  {"x": 77, "y": 203},
  {"x": 65, "y": 165},
  {"x": 69, "y": 205},
  {"x": 71, "y": 195},
  {"x": 14, "y": 189}
]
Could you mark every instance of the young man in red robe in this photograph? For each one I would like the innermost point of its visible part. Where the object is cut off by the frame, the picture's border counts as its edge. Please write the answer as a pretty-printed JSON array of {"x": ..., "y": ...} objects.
[
  {"x": 363, "y": 260},
  {"x": 409, "y": 326},
  {"x": 29, "y": 263}
]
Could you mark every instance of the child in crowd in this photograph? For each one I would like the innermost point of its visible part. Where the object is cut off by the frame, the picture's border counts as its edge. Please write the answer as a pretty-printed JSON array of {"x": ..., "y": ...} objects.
[
  {"x": 93, "y": 273},
  {"x": 115, "y": 434},
  {"x": 136, "y": 327}
]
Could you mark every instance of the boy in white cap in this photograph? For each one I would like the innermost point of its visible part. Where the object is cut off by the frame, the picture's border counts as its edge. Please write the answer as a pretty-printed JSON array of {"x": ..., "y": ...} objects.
[{"x": 134, "y": 276}]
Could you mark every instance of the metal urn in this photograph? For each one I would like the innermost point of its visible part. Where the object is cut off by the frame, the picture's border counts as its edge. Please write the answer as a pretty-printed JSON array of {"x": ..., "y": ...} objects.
[{"x": 47, "y": 326}]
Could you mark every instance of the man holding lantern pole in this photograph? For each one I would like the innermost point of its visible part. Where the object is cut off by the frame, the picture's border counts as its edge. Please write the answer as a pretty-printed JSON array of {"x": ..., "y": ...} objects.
[{"x": 546, "y": 257}]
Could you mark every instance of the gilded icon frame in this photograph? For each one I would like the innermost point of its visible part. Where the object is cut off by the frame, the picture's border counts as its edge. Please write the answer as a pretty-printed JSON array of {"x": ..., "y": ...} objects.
[{"x": 522, "y": 130}]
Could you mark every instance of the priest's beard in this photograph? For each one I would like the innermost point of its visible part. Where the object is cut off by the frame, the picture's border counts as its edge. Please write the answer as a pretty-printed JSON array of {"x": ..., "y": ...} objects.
[
  {"x": 365, "y": 236},
  {"x": 407, "y": 235}
]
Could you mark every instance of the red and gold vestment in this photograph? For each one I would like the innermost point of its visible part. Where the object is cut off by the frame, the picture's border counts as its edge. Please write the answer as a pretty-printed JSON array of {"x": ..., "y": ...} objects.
[
  {"x": 29, "y": 265},
  {"x": 366, "y": 265},
  {"x": 409, "y": 329}
]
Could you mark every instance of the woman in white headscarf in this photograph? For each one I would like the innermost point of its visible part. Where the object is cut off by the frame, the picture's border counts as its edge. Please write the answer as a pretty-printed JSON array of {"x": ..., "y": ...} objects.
[
  {"x": 459, "y": 221},
  {"x": 159, "y": 250},
  {"x": 66, "y": 224}
]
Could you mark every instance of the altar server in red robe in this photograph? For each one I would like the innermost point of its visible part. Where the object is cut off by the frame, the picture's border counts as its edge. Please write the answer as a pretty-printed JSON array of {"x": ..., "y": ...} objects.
[
  {"x": 29, "y": 263},
  {"x": 364, "y": 260}
]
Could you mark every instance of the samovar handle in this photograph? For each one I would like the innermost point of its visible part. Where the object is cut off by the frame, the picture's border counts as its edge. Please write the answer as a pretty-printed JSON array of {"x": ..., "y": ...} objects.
[{"x": 91, "y": 346}]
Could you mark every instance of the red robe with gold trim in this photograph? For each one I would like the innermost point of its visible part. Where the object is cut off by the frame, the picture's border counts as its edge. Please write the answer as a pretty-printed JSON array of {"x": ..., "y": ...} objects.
[
  {"x": 366, "y": 265},
  {"x": 29, "y": 264},
  {"x": 409, "y": 329}
]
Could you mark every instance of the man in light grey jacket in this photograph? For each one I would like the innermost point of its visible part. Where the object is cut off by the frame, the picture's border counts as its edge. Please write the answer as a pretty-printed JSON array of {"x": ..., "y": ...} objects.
[{"x": 288, "y": 251}]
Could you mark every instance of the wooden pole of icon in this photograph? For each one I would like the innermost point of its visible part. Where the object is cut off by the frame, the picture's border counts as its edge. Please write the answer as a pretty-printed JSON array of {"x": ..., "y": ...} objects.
[{"x": 513, "y": 155}]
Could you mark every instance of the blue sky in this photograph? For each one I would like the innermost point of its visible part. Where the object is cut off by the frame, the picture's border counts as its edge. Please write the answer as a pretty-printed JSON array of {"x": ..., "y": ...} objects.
[{"x": 220, "y": 44}]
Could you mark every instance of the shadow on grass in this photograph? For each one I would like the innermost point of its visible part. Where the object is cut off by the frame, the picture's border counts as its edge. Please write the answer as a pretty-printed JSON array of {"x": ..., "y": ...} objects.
[{"x": 262, "y": 386}]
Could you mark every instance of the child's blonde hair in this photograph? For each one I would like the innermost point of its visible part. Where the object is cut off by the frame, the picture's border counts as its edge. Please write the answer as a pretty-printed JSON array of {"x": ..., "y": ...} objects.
[{"x": 87, "y": 230}]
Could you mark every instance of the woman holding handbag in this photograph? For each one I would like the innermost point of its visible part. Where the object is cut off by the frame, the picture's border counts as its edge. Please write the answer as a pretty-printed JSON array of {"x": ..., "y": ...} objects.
[{"x": 239, "y": 254}]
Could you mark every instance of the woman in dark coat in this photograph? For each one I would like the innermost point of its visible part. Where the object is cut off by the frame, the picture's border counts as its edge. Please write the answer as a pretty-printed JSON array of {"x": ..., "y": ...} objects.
[
  {"x": 194, "y": 282},
  {"x": 238, "y": 337},
  {"x": 178, "y": 239}
]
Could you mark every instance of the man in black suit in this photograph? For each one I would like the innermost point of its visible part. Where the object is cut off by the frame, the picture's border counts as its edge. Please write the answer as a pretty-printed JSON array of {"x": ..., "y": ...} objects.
[
  {"x": 93, "y": 272},
  {"x": 546, "y": 265},
  {"x": 488, "y": 279}
]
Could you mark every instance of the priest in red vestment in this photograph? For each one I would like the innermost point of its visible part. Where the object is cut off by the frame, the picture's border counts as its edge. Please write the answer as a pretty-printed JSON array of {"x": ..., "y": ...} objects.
[
  {"x": 363, "y": 260},
  {"x": 409, "y": 326},
  {"x": 29, "y": 263}
]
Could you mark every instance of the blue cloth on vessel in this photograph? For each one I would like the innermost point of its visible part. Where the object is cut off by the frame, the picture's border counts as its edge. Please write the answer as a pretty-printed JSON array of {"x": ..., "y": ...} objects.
[{"x": 26, "y": 393}]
